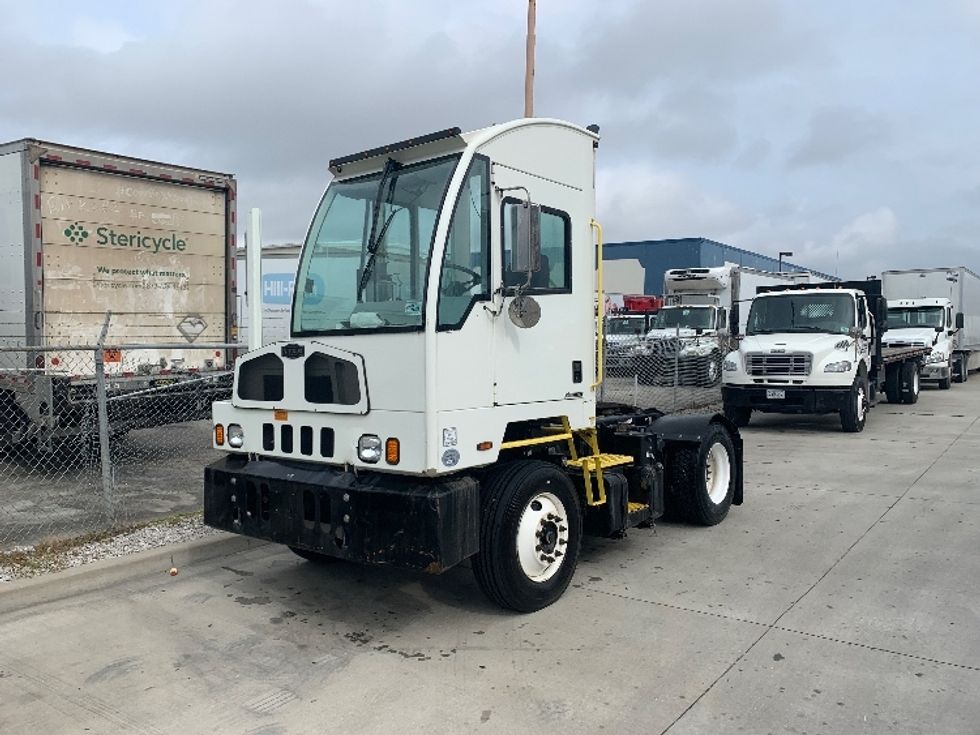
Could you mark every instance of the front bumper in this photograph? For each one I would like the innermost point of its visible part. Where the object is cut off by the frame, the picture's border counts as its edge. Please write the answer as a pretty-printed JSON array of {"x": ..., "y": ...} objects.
[
  {"x": 375, "y": 518},
  {"x": 796, "y": 400},
  {"x": 935, "y": 371}
]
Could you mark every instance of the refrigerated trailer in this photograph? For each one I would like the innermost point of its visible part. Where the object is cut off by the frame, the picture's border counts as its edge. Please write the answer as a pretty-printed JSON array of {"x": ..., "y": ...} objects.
[
  {"x": 437, "y": 398},
  {"x": 84, "y": 234},
  {"x": 939, "y": 307}
]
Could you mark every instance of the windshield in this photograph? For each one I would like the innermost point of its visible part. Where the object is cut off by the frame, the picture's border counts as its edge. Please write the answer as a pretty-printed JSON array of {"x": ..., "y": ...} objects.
[
  {"x": 922, "y": 316},
  {"x": 624, "y": 325},
  {"x": 802, "y": 312},
  {"x": 346, "y": 281},
  {"x": 685, "y": 317}
]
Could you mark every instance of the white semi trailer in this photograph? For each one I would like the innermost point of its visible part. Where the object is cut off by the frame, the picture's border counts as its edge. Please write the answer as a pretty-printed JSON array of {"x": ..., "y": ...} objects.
[
  {"x": 436, "y": 400},
  {"x": 938, "y": 307},
  {"x": 84, "y": 233}
]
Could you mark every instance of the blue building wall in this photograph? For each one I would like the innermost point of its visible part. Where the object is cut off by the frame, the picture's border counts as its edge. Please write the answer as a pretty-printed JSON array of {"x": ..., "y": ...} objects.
[{"x": 659, "y": 256}]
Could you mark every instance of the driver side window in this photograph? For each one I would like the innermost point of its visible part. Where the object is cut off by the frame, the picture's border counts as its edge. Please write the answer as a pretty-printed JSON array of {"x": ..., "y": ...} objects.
[{"x": 464, "y": 279}]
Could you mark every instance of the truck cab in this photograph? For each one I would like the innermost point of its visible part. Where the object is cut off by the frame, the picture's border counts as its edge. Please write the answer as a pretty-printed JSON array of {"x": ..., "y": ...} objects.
[
  {"x": 806, "y": 349},
  {"x": 437, "y": 398},
  {"x": 925, "y": 322}
]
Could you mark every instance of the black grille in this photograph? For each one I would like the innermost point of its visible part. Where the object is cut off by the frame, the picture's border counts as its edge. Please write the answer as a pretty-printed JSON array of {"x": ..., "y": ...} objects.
[{"x": 792, "y": 363}]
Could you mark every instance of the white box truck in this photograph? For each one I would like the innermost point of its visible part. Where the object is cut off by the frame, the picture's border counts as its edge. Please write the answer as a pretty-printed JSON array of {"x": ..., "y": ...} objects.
[
  {"x": 694, "y": 321},
  {"x": 83, "y": 233},
  {"x": 938, "y": 307}
]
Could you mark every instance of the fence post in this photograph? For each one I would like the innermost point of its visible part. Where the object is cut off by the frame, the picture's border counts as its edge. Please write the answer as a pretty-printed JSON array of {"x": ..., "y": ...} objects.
[
  {"x": 105, "y": 460},
  {"x": 677, "y": 362}
]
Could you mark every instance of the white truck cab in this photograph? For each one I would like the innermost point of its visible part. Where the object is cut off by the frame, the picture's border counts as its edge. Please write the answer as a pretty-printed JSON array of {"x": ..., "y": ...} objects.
[
  {"x": 925, "y": 323},
  {"x": 437, "y": 398},
  {"x": 817, "y": 348}
]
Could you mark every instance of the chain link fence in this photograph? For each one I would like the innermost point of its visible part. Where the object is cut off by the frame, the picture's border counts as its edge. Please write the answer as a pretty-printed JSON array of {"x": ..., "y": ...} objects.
[
  {"x": 98, "y": 436},
  {"x": 674, "y": 374}
]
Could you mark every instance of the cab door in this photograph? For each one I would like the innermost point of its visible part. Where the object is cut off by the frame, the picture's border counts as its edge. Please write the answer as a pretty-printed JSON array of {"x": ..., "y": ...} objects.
[{"x": 554, "y": 358}]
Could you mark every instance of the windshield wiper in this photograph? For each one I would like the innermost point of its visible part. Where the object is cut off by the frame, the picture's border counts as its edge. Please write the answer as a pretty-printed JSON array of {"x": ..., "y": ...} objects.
[{"x": 376, "y": 237}]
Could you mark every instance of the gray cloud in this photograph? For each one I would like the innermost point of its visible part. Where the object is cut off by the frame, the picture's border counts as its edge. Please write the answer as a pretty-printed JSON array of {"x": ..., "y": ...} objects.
[{"x": 838, "y": 133}]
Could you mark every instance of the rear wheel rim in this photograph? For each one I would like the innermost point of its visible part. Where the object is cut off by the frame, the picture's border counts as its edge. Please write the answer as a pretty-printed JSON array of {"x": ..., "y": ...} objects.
[
  {"x": 717, "y": 473},
  {"x": 915, "y": 383},
  {"x": 542, "y": 537}
]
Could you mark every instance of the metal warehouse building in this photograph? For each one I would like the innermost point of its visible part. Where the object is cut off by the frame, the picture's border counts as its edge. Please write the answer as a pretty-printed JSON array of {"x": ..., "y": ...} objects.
[{"x": 648, "y": 260}]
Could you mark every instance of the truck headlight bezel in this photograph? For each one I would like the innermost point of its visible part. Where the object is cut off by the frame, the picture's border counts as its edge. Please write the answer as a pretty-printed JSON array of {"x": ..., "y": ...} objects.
[
  {"x": 843, "y": 366},
  {"x": 935, "y": 356},
  {"x": 729, "y": 365},
  {"x": 370, "y": 448},
  {"x": 235, "y": 436}
]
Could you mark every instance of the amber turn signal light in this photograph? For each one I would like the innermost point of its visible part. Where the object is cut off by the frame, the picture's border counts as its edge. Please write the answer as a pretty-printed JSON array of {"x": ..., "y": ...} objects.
[
  {"x": 393, "y": 450},
  {"x": 484, "y": 446},
  {"x": 219, "y": 435}
]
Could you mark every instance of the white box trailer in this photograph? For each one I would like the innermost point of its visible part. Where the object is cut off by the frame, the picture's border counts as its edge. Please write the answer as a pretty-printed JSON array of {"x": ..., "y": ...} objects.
[
  {"x": 84, "y": 233},
  {"x": 279, "y": 264},
  {"x": 961, "y": 287}
]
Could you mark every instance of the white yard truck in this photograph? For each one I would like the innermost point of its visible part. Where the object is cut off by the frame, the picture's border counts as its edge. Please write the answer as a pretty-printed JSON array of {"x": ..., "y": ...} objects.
[
  {"x": 437, "y": 398},
  {"x": 940, "y": 308},
  {"x": 694, "y": 321},
  {"x": 815, "y": 349},
  {"x": 83, "y": 233}
]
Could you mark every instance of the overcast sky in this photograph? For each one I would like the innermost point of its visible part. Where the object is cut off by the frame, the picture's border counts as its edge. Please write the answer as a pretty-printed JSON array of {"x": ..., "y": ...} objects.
[{"x": 847, "y": 132}]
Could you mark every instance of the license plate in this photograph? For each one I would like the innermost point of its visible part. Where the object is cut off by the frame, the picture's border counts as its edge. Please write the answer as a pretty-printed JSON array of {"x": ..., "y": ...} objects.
[{"x": 775, "y": 394}]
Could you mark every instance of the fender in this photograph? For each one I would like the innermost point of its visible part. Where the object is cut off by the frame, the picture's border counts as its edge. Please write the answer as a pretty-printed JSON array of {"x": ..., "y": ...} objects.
[{"x": 691, "y": 429}]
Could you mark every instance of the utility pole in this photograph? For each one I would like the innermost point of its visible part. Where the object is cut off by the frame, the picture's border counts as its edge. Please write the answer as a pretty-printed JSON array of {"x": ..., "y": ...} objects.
[{"x": 529, "y": 61}]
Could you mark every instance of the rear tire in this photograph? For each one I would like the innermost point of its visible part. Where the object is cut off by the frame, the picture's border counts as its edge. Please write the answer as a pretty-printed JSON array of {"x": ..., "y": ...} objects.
[
  {"x": 960, "y": 371},
  {"x": 893, "y": 384},
  {"x": 530, "y": 534},
  {"x": 701, "y": 480},
  {"x": 910, "y": 382},
  {"x": 738, "y": 415},
  {"x": 855, "y": 413}
]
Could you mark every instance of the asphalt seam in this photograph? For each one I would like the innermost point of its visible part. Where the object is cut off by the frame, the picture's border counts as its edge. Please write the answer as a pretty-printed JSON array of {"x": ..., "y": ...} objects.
[{"x": 784, "y": 629}]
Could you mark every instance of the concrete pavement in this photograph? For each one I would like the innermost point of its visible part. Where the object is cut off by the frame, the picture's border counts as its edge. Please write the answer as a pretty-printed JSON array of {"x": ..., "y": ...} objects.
[{"x": 841, "y": 598}]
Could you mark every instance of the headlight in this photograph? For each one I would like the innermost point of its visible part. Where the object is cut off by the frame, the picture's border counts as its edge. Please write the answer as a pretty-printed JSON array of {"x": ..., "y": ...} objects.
[
  {"x": 697, "y": 350},
  {"x": 236, "y": 436},
  {"x": 369, "y": 448},
  {"x": 729, "y": 365},
  {"x": 843, "y": 366},
  {"x": 936, "y": 356}
]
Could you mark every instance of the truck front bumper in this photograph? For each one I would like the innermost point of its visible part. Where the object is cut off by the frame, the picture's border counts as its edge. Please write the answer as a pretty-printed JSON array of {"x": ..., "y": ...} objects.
[
  {"x": 795, "y": 400},
  {"x": 375, "y": 518}
]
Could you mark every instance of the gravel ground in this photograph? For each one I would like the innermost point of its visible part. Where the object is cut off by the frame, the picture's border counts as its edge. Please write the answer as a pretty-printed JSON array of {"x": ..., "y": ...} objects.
[{"x": 152, "y": 536}]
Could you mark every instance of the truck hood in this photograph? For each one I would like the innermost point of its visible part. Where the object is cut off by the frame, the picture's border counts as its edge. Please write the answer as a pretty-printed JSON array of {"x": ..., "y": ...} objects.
[
  {"x": 915, "y": 337},
  {"x": 684, "y": 333},
  {"x": 816, "y": 343}
]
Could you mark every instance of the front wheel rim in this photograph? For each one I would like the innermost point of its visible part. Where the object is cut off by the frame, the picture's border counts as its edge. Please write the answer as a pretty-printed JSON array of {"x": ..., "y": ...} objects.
[
  {"x": 860, "y": 404},
  {"x": 717, "y": 472},
  {"x": 542, "y": 537}
]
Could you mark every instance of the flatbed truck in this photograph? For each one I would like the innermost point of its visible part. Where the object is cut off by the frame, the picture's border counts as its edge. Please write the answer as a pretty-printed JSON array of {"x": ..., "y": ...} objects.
[
  {"x": 817, "y": 348},
  {"x": 437, "y": 398}
]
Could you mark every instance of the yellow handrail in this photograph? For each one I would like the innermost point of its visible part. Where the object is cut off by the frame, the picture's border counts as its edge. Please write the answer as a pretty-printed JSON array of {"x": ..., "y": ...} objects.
[{"x": 600, "y": 309}]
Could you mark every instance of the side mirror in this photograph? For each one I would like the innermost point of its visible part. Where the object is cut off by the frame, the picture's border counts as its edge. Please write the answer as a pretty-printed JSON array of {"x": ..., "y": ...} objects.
[
  {"x": 698, "y": 331},
  {"x": 939, "y": 329},
  {"x": 526, "y": 248},
  {"x": 959, "y": 320},
  {"x": 733, "y": 321}
]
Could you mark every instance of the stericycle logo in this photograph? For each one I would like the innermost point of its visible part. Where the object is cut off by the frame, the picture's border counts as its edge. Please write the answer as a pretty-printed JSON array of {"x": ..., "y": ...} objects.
[
  {"x": 76, "y": 233},
  {"x": 155, "y": 243}
]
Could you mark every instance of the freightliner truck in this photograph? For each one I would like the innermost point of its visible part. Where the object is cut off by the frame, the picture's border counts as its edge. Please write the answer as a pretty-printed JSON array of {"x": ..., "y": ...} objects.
[
  {"x": 83, "y": 233},
  {"x": 436, "y": 400},
  {"x": 816, "y": 349},
  {"x": 939, "y": 308}
]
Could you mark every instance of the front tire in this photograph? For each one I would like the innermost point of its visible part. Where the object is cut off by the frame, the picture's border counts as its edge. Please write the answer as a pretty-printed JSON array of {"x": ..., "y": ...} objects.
[
  {"x": 701, "y": 480},
  {"x": 711, "y": 370},
  {"x": 855, "y": 413},
  {"x": 947, "y": 382},
  {"x": 530, "y": 534},
  {"x": 910, "y": 382},
  {"x": 961, "y": 373}
]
